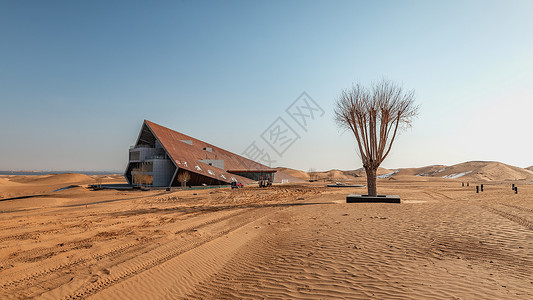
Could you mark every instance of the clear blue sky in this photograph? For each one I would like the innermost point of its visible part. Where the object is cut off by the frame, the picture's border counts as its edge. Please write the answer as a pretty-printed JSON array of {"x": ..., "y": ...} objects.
[{"x": 77, "y": 78}]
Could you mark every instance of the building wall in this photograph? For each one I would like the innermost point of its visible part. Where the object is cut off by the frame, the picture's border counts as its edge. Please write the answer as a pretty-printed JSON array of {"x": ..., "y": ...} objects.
[
  {"x": 145, "y": 160},
  {"x": 139, "y": 154},
  {"x": 163, "y": 170}
]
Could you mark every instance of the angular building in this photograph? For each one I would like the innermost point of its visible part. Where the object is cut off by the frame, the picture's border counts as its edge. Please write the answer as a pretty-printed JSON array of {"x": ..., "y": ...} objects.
[{"x": 160, "y": 155}]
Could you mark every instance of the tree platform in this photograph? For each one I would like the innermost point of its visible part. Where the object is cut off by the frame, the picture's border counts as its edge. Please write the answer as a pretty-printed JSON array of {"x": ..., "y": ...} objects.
[{"x": 354, "y": 198}]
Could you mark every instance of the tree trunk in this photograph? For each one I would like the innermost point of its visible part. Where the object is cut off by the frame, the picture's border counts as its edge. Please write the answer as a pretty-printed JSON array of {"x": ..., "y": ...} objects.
[{"x": 371, "y": 181}]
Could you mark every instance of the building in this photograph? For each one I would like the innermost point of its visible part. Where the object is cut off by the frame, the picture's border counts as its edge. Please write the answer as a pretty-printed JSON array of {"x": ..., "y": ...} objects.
[{"x": 161, "y": 155}]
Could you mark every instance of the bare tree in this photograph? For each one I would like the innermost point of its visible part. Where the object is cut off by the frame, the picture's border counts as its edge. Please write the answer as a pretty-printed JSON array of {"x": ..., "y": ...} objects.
[
  {"x": 140, "y": 177},
  {"x": 183, "y": 177},
  {"x": 374, "y": 115}
]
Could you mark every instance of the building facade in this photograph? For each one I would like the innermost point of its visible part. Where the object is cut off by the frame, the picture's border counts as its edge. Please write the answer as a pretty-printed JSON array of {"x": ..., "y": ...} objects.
[{"x": 162, "y": 157}]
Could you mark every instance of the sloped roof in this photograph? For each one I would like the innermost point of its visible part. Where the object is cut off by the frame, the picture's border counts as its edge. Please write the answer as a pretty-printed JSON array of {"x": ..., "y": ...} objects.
[{"x": 187, "y": 156}]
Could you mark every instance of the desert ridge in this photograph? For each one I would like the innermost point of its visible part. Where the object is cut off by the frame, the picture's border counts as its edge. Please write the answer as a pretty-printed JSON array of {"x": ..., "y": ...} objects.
[
  {"x": 26, "y": 185},
  {"x": 480, "y": 170},
  {"x": 17, "y": 186},
  {"x": 330, "y": 175},
  {"x": 467, "y": 171},
  {"x": 52, "y": 179}
]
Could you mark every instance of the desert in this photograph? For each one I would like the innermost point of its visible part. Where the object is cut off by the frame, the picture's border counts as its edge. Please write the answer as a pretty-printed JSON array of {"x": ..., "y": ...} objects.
[
  {"x": 266, "y": 149},
  {"x": 296, "y": 240}
]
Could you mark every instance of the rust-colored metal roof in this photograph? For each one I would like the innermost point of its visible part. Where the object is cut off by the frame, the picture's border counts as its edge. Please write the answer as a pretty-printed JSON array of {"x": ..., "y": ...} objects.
[
  {"x": 253, "y": 171},
  {"x": 187, "y": 156}
]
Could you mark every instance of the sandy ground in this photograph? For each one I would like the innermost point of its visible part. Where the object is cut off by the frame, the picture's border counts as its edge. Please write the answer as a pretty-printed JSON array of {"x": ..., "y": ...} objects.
[{"x": 288, "y": 241}]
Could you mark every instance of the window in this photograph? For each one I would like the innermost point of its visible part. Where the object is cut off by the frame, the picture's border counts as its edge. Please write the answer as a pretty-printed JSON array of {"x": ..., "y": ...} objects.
[{"x": 135, "y": 155}]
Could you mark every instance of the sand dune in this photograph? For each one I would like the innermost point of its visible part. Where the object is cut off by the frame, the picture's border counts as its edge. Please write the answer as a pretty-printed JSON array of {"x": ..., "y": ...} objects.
[
  {"x": 331, "y": 175},
  {"x": 381, "y": 171},
  {"x": 284, "y": 177},
  {"x": 57, "y": 179},
  {"x": 294, "y": 173},
  {"x": 17, "y": 186},
  {"x": 334, "y": 175},
  {"x": 423, "y": 171},
  {"x": 324, "y": 175},
  {"x": 288, "y": 241},
  {"x": 472, "y": 171},
  {"x": 481, "y": 170},
  {"x": 6, "y": 181}
]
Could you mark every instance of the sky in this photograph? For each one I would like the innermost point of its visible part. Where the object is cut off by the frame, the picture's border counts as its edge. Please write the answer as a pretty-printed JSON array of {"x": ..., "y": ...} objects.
[{"x": 77, "y": 78}]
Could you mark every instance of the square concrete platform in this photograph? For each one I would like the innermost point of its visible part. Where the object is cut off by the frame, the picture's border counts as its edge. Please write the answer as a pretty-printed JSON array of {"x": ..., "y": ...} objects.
[{"x": 354, "y": 198}]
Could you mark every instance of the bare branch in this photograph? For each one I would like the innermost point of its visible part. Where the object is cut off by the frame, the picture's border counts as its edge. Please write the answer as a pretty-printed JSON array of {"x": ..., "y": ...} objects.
[{"x": 373, "y": 115}]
